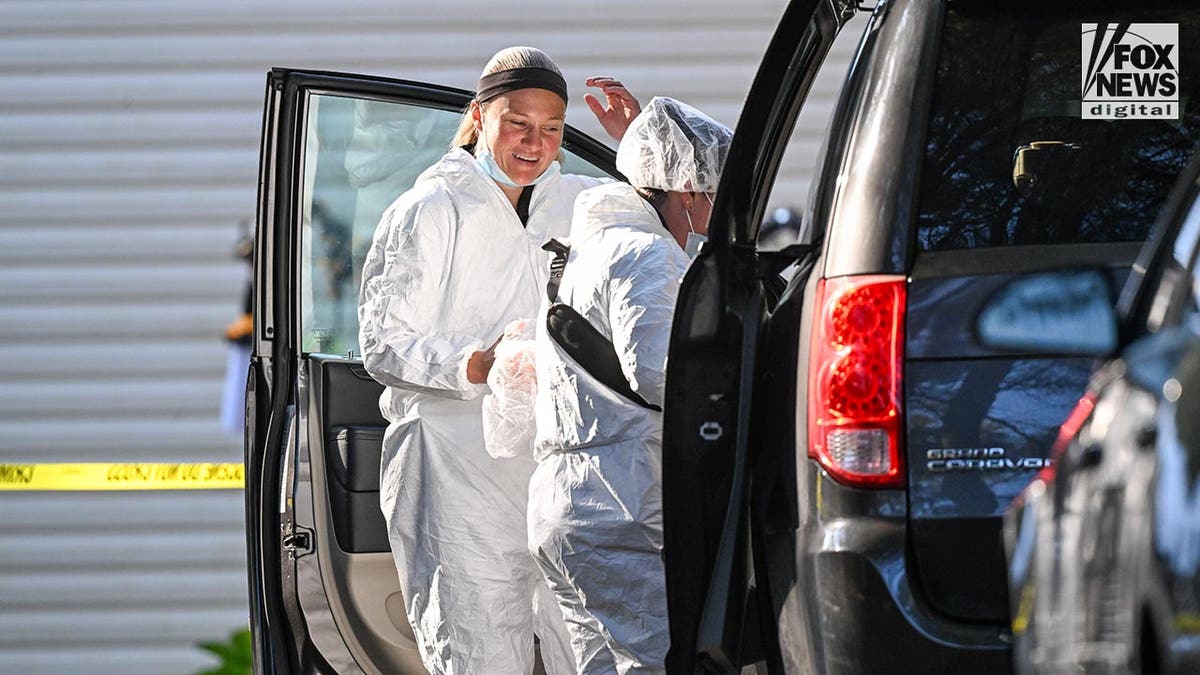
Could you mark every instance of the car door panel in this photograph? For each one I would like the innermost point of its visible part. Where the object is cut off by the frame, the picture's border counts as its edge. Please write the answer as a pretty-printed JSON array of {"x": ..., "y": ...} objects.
[
  {"x": 721, "y": 618},
  {"x": 346, "y": 400},
  {"x": 347, "y": 590}
]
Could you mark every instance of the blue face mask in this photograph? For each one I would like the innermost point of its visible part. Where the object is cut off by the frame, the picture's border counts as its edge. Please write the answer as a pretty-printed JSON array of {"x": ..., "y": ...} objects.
[{"x": 487, "y": 161}]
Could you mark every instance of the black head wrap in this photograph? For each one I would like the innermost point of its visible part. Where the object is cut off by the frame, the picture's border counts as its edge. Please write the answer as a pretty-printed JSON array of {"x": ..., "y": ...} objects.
[{"x": 491, "y": 86}]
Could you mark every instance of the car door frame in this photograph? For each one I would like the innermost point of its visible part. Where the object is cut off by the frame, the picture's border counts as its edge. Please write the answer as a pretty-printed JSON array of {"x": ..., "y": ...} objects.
[
  {"x": 279, "y": 645},
  {"x": 713, "y": 371}
]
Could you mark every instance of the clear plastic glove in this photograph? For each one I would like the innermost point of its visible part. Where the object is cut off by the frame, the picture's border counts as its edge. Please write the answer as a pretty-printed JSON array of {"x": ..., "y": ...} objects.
[{"x": 508, "y": 426}]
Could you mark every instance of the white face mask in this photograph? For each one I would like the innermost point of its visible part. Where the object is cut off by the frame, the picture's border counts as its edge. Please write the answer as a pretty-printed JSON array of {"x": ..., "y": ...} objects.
[{"x": 695, "y": 240}]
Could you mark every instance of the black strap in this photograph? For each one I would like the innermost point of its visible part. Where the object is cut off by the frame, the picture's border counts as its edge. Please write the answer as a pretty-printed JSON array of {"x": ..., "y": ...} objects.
[
  {"x": 557, "y": 266},
  {"x": 571, "y": 331},
  {"x": 523, "y": 204},
  {"x": 591, "y": 350}
]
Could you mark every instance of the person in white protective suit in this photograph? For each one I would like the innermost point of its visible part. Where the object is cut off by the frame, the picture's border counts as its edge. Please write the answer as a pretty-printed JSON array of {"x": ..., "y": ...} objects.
[
  {"x": 452, "y": 262},
  {"x": 595, "y": 500}
]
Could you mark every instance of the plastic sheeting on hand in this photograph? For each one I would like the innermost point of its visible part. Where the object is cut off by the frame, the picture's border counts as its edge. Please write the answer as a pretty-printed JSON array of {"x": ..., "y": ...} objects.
[{"x": 508, "y": 427}]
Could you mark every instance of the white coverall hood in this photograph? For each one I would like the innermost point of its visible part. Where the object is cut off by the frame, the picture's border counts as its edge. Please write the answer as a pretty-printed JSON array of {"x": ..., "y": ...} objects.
[
  {"x": 595, "y": 514},
  {"x": 449, "y": 266}
]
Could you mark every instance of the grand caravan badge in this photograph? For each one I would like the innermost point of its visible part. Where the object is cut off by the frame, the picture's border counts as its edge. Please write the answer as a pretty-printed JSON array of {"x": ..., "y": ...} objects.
[{"x": 1131, "y": 71}]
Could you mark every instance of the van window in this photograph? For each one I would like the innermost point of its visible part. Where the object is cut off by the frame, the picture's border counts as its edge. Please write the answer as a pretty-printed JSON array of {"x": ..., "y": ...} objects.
[
  {"x": 1011, "y": 156},
  {"x": 788, "y": 217}
]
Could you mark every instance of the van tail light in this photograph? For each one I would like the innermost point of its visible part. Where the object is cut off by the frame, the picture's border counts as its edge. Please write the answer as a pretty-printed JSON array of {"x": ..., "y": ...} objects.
[{"x": 854, "y": 376}]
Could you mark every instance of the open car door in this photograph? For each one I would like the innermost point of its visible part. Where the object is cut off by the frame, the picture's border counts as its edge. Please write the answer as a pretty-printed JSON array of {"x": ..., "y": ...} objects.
[
  {"x": 729, "y": 493},
  {"x": 336, "y": 151}
]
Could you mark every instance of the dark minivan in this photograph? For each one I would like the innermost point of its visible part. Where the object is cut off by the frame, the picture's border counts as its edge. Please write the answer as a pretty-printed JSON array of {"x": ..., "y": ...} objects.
[
  {"x": 838, "y": 444},
  {"x": 876, "y": 442}
]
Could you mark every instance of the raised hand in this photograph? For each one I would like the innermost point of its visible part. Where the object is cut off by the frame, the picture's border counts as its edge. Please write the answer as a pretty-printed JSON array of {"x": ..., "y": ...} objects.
[{"x": 618, "y": 109}]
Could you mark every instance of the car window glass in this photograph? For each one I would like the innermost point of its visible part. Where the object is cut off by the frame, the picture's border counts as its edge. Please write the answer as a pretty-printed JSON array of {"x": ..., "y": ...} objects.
[
  {"x": 786, "y": 208},
  {"x": 1175, "y": 291},
  {"x": 1010, "y": 159},
  {"x": 1183, "y": 249},
  {"x": 1187, "y": 248},
  {"x": 359, "y": 155}
]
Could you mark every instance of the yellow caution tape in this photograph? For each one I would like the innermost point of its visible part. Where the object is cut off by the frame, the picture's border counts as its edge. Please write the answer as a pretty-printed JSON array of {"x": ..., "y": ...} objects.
[
  {"x": 1187, "y": 622},
  {"x": 1020, "y": 622},
  {"x": 133, "y": 476}
]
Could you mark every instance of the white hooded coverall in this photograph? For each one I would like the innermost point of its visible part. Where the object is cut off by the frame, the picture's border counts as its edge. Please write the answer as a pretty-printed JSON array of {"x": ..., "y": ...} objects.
[
  {"x": 449, "y": 266},
  {"x": 595, "y": 501}
]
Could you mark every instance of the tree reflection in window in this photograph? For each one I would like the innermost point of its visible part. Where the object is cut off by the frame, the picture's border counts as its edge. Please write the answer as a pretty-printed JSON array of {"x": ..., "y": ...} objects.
[{"x": 1005, "y": 82}]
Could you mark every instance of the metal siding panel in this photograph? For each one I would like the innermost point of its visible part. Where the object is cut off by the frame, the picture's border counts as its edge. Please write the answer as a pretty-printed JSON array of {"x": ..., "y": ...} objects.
[
  {"x": 108, "y": 625},
  {"x": 362, "y": 45},
  {"x": 100, "y": 206},
  {"x": 147, "y": 357},
  {"x": 123, "y": 437},
  {"x": 89, "y": 326},
  {"x": 128, "y": 154},
  {"x": 127, "y": 550},
  {"x": 191, "y": 168},
  {"x": 164, "y": 587},
  {"x": 109, "y": 512},
  {"x": 145, "y": 657},
  {"x": 121, "y": 281},
  {"x": 118, "y": 582},
  {"x": 187, "y": 240},
  {"x": 127, "y": 129},
  {"x": 130, "y": 395},
  {"x": 316, "y": 17}
]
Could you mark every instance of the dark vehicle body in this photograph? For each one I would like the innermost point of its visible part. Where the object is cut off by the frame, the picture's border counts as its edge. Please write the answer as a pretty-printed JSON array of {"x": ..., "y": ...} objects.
[
  {"x": 1104, "y": 547},
  {"x": 900, "y": 568},
  {"x": 839, "y": 445}
]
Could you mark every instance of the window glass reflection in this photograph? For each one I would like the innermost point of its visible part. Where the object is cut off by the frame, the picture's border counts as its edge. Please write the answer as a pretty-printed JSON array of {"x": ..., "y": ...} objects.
[
  {"x": 1185, "y": 251},
  {"x": 359, "y": 156},
  {"x": 1009, "y": 159}
]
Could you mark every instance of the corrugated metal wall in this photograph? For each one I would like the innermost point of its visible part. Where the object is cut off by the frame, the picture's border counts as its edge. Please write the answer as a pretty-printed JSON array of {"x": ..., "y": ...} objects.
[{"x": 128, "y": 153}]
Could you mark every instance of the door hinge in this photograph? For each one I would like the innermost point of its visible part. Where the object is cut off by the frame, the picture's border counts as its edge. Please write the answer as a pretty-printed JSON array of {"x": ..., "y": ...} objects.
[{"x": 298, "y": 543}]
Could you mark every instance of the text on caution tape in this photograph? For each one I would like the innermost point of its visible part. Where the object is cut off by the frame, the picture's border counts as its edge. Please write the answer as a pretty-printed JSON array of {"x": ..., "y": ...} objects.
[{"x": 131, "y": 476}]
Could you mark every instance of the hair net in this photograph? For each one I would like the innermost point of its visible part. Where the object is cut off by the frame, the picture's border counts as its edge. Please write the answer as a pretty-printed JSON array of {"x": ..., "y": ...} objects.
[{"x": 672, "y": 146}]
